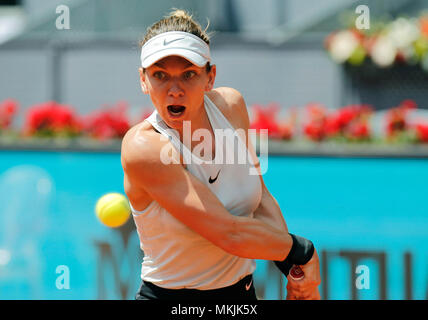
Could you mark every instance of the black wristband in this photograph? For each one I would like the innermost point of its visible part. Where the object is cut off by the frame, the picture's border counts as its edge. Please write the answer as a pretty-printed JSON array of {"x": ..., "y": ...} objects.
[{"x": 300, "y": 253}]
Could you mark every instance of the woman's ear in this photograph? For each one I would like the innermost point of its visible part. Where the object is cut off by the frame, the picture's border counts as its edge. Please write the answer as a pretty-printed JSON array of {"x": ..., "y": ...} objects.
[
  {"x": 211, "y": 78},
  {"x": 143, "y": 81}
]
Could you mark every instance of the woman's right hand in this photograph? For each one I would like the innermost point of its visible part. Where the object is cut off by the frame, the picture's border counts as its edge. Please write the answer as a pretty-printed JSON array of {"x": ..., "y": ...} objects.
[{"x": 306, "y": 288}]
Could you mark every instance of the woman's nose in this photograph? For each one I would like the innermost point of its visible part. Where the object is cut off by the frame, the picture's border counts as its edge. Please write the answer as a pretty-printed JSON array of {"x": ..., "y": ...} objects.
[{"x": 175, "y": 90}]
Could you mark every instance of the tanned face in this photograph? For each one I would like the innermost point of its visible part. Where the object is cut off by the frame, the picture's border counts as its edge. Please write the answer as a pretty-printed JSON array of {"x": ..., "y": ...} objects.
[{"x": 176, "y": 88}]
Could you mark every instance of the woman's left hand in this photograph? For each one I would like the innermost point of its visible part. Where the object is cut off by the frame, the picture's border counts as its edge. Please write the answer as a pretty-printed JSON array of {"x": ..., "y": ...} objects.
[{"x": 306, "y": 288}]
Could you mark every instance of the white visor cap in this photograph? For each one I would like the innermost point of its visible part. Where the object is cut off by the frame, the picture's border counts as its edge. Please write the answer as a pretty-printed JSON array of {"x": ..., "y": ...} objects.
[{"x": 175, "y": 43}]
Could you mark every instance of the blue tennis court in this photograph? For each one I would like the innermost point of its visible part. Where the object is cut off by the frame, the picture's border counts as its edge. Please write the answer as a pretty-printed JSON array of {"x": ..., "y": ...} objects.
[{"x": 359, "y": 212}]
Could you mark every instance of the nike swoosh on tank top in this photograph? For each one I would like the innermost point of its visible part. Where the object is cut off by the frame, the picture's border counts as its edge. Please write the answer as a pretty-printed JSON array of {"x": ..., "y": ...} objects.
[{"x": 174, "y": 255}]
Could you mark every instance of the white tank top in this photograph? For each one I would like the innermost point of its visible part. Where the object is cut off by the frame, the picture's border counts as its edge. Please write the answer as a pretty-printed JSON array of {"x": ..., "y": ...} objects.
[{"x": 174, "y": 255}]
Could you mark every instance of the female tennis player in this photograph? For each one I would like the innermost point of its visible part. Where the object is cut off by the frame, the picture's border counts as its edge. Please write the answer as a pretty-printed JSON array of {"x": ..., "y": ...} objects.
[{"x": 201, "y": 223}]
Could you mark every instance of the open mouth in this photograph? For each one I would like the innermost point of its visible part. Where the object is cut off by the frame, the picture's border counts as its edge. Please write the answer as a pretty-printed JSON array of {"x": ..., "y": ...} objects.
[{"x": 176, "y": 110}]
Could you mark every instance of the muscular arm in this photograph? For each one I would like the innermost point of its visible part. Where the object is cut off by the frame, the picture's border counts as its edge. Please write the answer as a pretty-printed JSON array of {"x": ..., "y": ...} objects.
[
  {"x": 270, "y": 213},
  {"x": 268, "y": 210},
  {"x": 193, "y": 203}
]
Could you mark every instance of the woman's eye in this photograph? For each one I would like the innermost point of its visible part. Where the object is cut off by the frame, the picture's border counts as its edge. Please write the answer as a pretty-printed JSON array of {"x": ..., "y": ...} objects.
[
  {"x": 189, "y": 74},
  {"x": 159, "y": 75}
]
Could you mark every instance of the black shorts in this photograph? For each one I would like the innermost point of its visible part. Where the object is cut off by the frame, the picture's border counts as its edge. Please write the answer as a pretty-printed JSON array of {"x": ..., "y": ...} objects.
[{"x": 242, "y": 290}]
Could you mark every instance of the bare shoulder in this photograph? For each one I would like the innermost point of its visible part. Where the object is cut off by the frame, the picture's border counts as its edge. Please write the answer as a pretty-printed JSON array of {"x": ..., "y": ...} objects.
[
  {"x": 231, "y": 102},
  {"x": 142, "y": 162},
  {"x": 145, "y": 153},
  {"x": 141, "y": 145},
  {"x": 227, "y": 97}
]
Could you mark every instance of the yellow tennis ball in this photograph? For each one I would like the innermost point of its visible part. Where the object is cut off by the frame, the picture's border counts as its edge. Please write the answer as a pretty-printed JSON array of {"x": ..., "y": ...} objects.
[{"x": 113, "y": 210}]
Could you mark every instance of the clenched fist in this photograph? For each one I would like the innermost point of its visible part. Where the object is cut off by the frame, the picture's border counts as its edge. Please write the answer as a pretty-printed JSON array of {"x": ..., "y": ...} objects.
[{"x": 306, "y": 288}]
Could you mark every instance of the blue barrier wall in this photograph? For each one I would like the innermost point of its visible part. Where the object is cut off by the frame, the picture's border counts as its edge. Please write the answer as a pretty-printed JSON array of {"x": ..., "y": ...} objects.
[{"x": 358, "y": 212}]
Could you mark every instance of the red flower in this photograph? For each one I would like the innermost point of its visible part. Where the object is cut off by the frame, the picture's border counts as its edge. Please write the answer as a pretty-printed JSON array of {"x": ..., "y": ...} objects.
[
  {"x": 314, "y": 128},
  {"x": 314, "y": 131},
  {"x": 265, "y": 119},
  {"x": 409, "y": 104},
  {"x": 332, "y": 126},
  {"x": 8, "y": 109},
  {"x": 285, "y": 131},
  {"x": 396, "y": 118},
  {"x": 359, "y": 131},
  {"x": 51, "y": 118},
  {"x": 349, "y": 121},
  {"x": 340, "y": 119},
  {"x": 111, "y": 122},
  {"x": 316, "y": 111},
  {"x": 422, "y": 132}
]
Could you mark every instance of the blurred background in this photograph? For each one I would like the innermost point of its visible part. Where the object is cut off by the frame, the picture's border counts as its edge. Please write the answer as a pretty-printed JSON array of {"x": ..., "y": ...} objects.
[{"x": 341, "y": 85}]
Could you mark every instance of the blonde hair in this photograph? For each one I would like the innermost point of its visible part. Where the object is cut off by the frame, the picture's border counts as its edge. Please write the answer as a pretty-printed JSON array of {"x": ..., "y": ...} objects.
[{"x": 177, "y": 20}]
